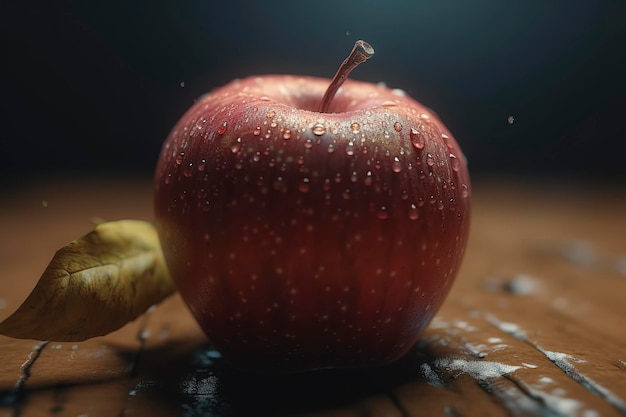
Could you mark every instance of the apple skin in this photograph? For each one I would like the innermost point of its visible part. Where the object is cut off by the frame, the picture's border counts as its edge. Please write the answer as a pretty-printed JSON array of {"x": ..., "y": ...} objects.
[{"x": 304, "y": 240}]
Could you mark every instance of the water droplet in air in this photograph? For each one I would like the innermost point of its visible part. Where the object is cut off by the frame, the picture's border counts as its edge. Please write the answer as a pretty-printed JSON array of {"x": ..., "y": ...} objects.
[
  {"x": 382, "y": 213},
  {"x": 287, "y": 134},
  {"x": 257, "y": 131},
  {"x": 319, "y": 130},
  {"x": 222, "y": 129},
  {"x": 454, "y": 163},
  {"x": 350, "y": 148},
  {"x": 355, "y": 127},
  {"x": 397, "y": 126},
  {"x": 396, "y": 166},
  {"x": 413, "y": 212},
  {"x": 417, "y": 139},
  {"x": 511, "y": 120}
]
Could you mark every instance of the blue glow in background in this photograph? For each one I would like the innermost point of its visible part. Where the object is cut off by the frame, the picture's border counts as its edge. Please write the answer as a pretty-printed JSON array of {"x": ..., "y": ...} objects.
[{"x": 95, "y": 86}]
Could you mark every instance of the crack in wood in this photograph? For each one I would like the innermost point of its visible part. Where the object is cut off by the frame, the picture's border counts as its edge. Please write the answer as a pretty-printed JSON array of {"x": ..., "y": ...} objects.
[
  {"x": 398, "y": 404},
  {"x": 142, "y": 336},
  {"x": 563, "y": 362},
  {"x": 13, "y": 398}
]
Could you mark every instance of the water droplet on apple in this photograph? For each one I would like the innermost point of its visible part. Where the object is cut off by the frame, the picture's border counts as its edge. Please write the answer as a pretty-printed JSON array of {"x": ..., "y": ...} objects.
[
  {"x": 179, "y": 158},
  {"x": 382, "y": 213},
  {"x": 202, "y": 165},
  {"x": 354, "y": 177},
  {"x": 188, "y": 170},
  {"x": 168, "y": 179},
  {"x": 350, "y": 148},
  {"x": 355, "y": 127},
  {"x": 319, "y": 129},
  {"x": 271, "y": 114},
  {"x": 396, "y": 166},
  {"x": 331, "y": 148},
  {"x": 222, "y": 129},
  {"x": 305, "y": 185},
  {"x": 413, "y": 212},
  {"x": 397, "y": 126},
  {"x": 455, "y": 163},
  {"x": 265, "y": 98},
  {"x": 257, "y": 157},
  {"x": 368, "y": 179},
  {"x": 287, "y": 134},
  {"x": 464, "y": 191},
  {"x": 308, "y": 143},
  {"x": 389, "y": 103},
  {"x": 236, "y": 147},
  {"x": 417, "y": 139},
  {"x": 429, "y": 160},
  {"x": 257, "y": 131},
  {"x": 447, "y": 141}
]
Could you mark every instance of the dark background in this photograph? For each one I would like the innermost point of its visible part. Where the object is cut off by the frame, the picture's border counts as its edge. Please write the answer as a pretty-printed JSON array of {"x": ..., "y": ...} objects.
[{"x": 94, "y": 87}]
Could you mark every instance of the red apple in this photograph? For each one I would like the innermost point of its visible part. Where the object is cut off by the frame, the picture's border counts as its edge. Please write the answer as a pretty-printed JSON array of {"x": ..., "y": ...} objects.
[{"x": 303, "y": 239}]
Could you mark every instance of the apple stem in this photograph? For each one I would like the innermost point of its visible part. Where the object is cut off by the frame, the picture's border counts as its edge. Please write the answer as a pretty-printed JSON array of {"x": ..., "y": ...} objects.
[{"x": 361, "y": 52}]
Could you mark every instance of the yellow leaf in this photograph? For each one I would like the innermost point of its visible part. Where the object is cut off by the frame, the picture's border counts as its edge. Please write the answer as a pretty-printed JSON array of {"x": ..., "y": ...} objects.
[{"x": 95, "y": 285}]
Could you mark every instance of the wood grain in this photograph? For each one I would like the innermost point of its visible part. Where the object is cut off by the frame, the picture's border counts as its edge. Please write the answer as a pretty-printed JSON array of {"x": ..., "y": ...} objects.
[{"x": 535, "y": 324}]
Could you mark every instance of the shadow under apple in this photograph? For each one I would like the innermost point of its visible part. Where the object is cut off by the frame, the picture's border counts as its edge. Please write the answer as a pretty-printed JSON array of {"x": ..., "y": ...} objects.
[{"x": 201, "y": 383}]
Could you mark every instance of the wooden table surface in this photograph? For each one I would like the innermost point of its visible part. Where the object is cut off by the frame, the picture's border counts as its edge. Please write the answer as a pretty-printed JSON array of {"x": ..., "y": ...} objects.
[{"x": 535, "y": 324}]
